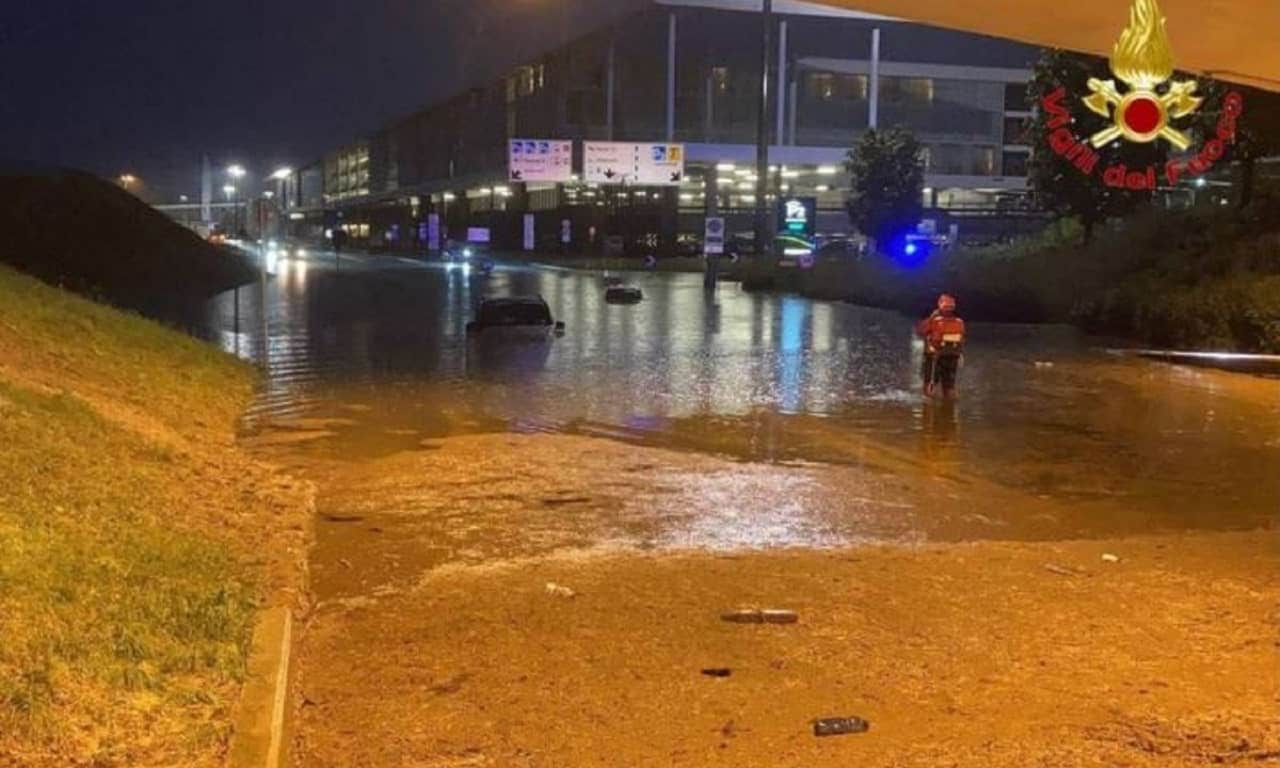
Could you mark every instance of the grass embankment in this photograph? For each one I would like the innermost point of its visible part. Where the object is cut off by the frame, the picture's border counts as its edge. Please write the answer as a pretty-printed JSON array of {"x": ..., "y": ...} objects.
[
  {"x": 135, "y": 540},
  {"x": 1208, "y": 278},
  {"x": 91, "y": 237}
]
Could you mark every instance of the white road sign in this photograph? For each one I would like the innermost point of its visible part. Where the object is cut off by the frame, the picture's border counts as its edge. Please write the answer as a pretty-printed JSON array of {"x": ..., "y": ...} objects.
[
  {"x": 713, "y": 240},
  {"x": 608, "y": 162},
  {"x": 538, "y": 160}
]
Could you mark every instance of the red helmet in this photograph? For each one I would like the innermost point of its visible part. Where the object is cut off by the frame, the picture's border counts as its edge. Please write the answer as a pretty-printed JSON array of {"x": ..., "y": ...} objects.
[{"x": 947, "y": 303}]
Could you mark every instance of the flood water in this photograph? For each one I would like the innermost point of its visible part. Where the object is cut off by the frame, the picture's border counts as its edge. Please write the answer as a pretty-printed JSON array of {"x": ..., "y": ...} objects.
[{"x": 376, "y": 350}]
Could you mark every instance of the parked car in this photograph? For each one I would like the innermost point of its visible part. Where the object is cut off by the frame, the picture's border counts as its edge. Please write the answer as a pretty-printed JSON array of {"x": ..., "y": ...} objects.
[{"x": 520, "y": 317}]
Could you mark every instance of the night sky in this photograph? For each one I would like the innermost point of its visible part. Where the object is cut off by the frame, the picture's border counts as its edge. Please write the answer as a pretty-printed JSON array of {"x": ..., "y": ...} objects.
[{"x": 147, "y": 86}]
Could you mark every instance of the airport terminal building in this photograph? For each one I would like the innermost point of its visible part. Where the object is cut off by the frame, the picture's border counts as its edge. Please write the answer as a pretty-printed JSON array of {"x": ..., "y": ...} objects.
[{"x": 689, "y": 72}]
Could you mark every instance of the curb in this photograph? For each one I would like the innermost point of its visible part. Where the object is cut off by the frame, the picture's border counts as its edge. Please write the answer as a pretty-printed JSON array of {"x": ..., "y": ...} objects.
[
  {"x": 1267, "y": 365},
  {"x": 259, "y": 739}
]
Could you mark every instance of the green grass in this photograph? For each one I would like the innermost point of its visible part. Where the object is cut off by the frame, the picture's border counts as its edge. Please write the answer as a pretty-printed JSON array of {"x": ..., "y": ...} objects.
[
  {"x": 125, "y": 616},
  {"x": 1207, "y": 278}
]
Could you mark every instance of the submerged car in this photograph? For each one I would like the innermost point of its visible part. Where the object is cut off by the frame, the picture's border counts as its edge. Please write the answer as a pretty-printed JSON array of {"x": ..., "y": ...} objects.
[
  {"x": 519, "y": 316},
  {"x": 623, "y": 294}
]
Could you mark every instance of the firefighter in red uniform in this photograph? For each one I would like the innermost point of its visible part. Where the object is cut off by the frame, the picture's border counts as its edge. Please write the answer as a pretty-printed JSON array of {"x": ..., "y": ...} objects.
[{"x": 944, "y": 337}]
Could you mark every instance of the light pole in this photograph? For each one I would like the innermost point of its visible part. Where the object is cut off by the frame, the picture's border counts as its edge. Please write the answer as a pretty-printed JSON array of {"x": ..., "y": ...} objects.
[
  {"x": 230, "y": 191},
  {"x": 236, "y": 172},
  {"x": 764, "y": 241}
]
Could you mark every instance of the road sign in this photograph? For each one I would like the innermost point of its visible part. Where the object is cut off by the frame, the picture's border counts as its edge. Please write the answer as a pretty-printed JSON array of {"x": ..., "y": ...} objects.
[
  {"x": 651, "y": 165},
  {"x": 539, "y": 160},
  {"x": 713, "y": 238},
  {"x": 797, "y": 223}
]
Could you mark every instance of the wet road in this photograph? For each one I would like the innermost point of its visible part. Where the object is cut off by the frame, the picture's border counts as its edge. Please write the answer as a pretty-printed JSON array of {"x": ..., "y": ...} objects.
[
  {"x": 521, "y": 553},
  {"x": 367, "y": 358}
]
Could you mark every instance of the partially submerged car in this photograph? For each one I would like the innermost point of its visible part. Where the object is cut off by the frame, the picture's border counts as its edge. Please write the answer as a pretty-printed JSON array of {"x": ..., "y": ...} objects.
[
  {"x": 515, "y": 316},
  {"x": 623, "y": 294}
]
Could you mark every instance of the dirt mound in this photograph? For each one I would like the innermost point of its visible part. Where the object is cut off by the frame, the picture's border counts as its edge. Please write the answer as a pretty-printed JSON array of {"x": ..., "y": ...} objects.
[{"x": 82, "y": 233}]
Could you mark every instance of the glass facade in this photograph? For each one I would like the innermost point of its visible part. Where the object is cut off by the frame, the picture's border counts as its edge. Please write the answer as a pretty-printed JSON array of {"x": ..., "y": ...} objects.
[{"x": 963, "y": 118}]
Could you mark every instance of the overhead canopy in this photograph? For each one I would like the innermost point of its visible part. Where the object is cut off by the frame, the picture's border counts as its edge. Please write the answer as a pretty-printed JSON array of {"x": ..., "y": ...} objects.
[{"x": 1234, "y": 40}]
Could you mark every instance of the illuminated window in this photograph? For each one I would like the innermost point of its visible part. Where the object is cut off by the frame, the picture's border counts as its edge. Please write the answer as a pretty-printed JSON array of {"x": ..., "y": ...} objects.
[
  {"x": 918, "y": 90},
  {"x": 821, "y": 86},
  {"x": 720, "y": 79},
  {"x": 824, "y": 86}
]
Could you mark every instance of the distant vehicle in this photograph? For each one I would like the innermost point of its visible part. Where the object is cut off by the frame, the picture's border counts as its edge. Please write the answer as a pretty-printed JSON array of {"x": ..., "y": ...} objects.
[
  {"x": 839, "y": 248},
  {"x": 515, "y": 317},
  {"x": 623, "y": 294},
  {"x": 689, "y": 246},
  {"x": 217, "y": 238},
  {"x": 463, "y": 253}
]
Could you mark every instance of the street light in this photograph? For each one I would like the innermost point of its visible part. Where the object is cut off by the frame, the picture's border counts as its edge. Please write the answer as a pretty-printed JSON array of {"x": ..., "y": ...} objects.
[
  {"x": 282, "y": 174},
  {"x": 236, "y": 171},
  {"x": 230, "y": 191}
]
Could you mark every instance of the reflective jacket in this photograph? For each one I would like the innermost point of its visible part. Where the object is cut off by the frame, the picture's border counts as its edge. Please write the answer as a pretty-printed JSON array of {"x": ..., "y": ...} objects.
[{"x": 942, "y": 334}]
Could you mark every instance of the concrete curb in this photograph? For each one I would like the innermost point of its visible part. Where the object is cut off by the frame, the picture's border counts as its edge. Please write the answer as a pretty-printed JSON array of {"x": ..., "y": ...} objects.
[
  {"x": 1267, "y": 365},
  {"x": 259, "y": 737}
]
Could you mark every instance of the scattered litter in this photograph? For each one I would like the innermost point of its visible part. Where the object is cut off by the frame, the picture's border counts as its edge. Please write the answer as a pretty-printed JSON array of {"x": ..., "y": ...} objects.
[
  {"x": 756, "y": 616},
  {"x": 717, "y": 672},
  {"x": 1110, "y": 558},
  {"x": 840, "y": 726},
  {"x": 345, "y": 563},
  {"x": 1063, "y": 570},
  {"x": 559, "y": 591},
  {"x": 1042, "y": 364},
  {"x": 330, "y": 518}
]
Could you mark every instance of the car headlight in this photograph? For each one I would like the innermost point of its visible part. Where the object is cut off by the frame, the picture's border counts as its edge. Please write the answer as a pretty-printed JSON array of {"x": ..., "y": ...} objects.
[{"x": 467, "y": 253}]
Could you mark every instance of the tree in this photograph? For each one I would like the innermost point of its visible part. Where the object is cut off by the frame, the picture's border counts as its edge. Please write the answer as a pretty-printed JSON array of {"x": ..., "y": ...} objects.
[
  {"x": 887, "y": 171},
  {"x": 1058, "y": 185},
  {"x": 1257, "y": 133}
]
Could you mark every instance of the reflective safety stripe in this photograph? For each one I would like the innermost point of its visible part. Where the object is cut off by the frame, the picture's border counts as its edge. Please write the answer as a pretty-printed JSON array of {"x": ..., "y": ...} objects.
[{"x": 952, "y": 338}]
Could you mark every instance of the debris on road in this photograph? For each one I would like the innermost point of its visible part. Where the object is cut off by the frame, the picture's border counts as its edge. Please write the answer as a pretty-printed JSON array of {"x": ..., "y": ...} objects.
[
  {"x": 840, "y": 726},
  {"x": 780, "y": 617},
  {"x": 560, "y": 591},
  {"x": 1110, "y": 558},
  {"x": 1063, "y": 570},
  {"x": 717, "y": 672},
  {"x": 757, "y": 616}
]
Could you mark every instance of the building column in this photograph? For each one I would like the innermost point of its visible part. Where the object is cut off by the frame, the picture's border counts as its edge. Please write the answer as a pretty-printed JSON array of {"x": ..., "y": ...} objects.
[
  {"x": 671, "y": 76},
  {"x": 610, "y": 84},
  {"x": 873, "y": 117},
  {"x": 780, "y": 136},
  {"x": 793, "y": 114},
  {"x": 709, "y": 109}
]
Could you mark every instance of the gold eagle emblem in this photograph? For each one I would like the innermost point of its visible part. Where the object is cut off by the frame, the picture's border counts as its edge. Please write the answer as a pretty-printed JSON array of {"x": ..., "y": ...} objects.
[{"x": 1143, "y": 60}]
